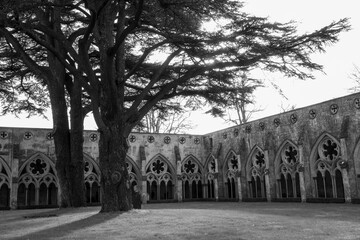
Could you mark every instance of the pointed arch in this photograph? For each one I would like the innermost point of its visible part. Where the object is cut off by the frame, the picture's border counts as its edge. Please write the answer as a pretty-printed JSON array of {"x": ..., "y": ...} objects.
[
  {"x": 134, "y": 171},
  {"x": 192, "y": 176},
  {"x": 38, "y": 182},
  {"x": 253, "y": 152},
  {"x": 314, "y": 151},
  {"x": 5, "y": 174},
  {"x": 92, "y": 178},
  {"x": 230, "y": 154},
  {"x": 159, "y": 156},
  {"x": 230, "y": 172},
  {"x": 255, "y": 173},
  {"x": 41, "y": 156},
  {"x": 357, "y": 158},
  {"x": 287, "y": 163},
  {"x": 325, "y": 168},
  {"x": 210, "y": 169},
  {"x": 279, "y": 152},
  {"x": 160, "y": 178}
]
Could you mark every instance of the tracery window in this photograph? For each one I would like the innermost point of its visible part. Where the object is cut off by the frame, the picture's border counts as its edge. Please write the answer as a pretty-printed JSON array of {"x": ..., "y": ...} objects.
[
  {"x": 256, "y": 174},
  {"x": 4, "y": 186},
  {"x": 231, "y": 171},
  {"x": 38, "y": 183},
  {"x": 191, "y": 179},
  {"x": 328, "y": 180},
  {"x": 287, "y": 172},
  {"x": 211, "y": 168},
  {"x": 159, "y": 180},
  {"x": 132, "y": 174},
  {"x": 92, "y": 182}
]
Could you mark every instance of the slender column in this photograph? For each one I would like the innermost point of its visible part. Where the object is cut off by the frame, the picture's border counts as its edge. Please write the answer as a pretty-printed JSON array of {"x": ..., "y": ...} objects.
[
  {"x": 179, "y": 182},
  {"x": 344, "y": 172},
  {"x": 14, "y": 178},
  {"x": 216, "y": 187},
  {"x": 301, "y": 175},
  {"x": 238, "y": 179},
  {"x": 267, "y": 177},
  {"x": 216, "y": 184},
  {"x": 144, "y": 194}
]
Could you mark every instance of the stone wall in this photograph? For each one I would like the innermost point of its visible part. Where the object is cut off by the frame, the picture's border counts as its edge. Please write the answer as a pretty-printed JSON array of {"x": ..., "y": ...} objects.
[{"x": 308, "y": 154}]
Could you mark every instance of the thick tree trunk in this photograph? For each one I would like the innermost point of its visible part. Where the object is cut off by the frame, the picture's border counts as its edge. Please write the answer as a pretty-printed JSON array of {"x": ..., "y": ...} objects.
[
  {"x": 76, "y": 147},
  {"x": 62, "y": 143},
  {"x": 68, "y": 147},
  {"x": 115, "y": 184}
]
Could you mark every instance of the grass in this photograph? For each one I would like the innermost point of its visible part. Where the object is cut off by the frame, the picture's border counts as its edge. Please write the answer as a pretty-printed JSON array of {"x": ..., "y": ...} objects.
[{"x": 191, "y": 220}]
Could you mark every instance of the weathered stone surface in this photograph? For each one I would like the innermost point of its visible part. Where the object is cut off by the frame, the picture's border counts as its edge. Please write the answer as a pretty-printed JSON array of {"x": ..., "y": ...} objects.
[{"x": 325, "y": 132}]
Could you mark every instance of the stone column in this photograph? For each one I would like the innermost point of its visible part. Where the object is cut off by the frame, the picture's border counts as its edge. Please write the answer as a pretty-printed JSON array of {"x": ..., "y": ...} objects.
[
  {"x": 301, "y": 175},
  {"x": 14, "y": 183},
  {"x": 179, "y": 182},
  {"x": 238, "y": 178},
  {"x": 267, "y": 177},
  {"x": 216, "y": 184},
  {"x": 144, "y": 194},
  {"x": 344, "y": 172}
]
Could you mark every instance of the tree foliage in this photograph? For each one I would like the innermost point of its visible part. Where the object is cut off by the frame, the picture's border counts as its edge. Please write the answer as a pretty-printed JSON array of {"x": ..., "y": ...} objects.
[{"x": 130, "y": 55}]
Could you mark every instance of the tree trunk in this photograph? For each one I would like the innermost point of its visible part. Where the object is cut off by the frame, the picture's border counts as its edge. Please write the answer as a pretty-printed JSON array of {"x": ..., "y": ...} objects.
[
  {"x": 76, "y": 147},
  {"x": 62, "y": 143},
  {"x": 115, "y": 184},
  {"x": 68, "y": 146}
]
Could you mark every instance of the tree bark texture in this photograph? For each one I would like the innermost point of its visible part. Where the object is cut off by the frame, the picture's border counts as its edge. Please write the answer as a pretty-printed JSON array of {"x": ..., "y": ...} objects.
[{"x": 115, "y": 184}]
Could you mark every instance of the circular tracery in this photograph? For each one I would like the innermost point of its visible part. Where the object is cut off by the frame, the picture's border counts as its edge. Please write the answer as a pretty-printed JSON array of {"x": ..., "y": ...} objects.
[{"x": 38, "y": 167}]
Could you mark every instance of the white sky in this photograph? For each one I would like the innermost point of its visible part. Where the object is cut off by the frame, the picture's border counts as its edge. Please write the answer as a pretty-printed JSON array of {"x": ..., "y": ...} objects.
[{"x": 338, "y": 61}]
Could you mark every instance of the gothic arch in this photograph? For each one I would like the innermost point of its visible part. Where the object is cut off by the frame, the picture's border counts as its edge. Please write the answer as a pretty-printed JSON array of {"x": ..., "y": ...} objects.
[
  {"x": 255, "y": 173},
  {"x": 287, "y": 170},
  {"x": 325, "y": 167},
  {"x": 4, "y": 184},
  {"x": 357, "y": 158},
  {"x": 192, "y": 175},
  {"x": 134, "y": 171},
  {"x": 92, "y": 178},
  {"x": 38, "y": 182},
  {"x": 160, "y": 178},
  {"x": 230, "y": 172},
  {"x": 210, "y": 171}
]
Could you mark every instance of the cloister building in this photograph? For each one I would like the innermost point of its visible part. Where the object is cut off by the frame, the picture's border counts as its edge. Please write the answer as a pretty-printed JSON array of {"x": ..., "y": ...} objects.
[{"x": 310, "y": 154}]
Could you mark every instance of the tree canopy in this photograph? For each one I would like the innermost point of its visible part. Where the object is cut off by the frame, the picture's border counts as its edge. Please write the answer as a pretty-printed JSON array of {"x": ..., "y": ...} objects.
[{"x": 130, "y": 55}]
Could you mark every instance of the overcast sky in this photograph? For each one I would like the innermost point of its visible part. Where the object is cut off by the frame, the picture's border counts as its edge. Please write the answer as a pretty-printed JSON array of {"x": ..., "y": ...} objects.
[{"x": 338, "y": 61}]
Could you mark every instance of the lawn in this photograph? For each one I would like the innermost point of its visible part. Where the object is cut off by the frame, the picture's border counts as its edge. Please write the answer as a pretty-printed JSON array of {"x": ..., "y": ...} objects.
[{"x": 193, "y": 220}]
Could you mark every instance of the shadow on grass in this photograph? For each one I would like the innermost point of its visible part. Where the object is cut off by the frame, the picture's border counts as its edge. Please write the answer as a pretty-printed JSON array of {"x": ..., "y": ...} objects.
[{"x": 68, "y": 228}]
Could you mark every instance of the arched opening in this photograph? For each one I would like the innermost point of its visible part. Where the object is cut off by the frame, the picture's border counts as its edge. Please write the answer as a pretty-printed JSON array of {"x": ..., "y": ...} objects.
[
  {"x": 187, "y": 190},
  {"x": 31, "y": 195},
  {"x": 258, "y": 187},
  {"x": 283, "y": 186},
  {"x": 339, "y": 184},
  {"x": 326, "y": 170},
  {"x": 211, "y": 189},
  {"x": 159, "y": 179},
  {"x": 200, "y": 190},
  {"x": 289, "y": 184},
  {"x": 297, "y": 183},
  {"x": 21, "y": 195},
  {"x": 153, "y": 191},
  {"x": 163, "y": 191},
  {"x": 320, "y": 185},
  {"x": 4, "y": 196},
  {"x": 328, "y": 185},
  {"x": 43, "y": 195},
  {"x": 52, "y": 194}
]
